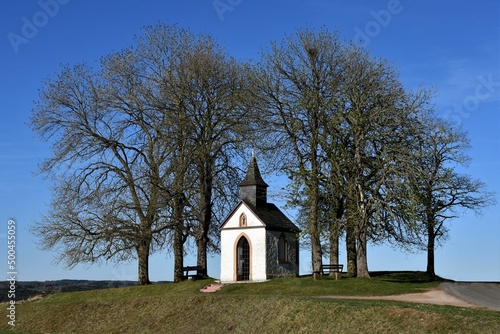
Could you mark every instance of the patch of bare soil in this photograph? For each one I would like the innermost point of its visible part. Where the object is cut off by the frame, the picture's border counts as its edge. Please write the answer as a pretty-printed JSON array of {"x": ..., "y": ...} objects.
[{"x": 434, "y": 296}]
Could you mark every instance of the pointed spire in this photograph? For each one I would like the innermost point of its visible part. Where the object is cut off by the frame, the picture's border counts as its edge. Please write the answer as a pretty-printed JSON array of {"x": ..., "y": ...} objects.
[
  {"x": 253, "y": 189},
  {"x": 253, "y": 176}
]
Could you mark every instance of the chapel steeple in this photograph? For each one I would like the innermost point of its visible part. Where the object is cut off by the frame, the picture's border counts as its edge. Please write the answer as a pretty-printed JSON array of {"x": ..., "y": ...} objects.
[{"x": 253, "y": 189}]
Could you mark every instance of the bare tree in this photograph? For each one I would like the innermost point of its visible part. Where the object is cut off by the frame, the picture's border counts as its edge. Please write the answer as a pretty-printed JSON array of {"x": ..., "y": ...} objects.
[
  {"x": 296, "y": 85},
  {"x": 146, "y": 141},
  {"x": 213, "y": 88},
  {"x": 438, "y": 192},
  {"x": 340, "y": 117},
  {"x": 106, "y": 162},
  {"x": 378, "y": 118}
]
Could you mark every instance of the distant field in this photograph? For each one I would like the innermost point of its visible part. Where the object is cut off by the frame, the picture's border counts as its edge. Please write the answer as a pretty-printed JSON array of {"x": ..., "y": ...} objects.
[
  {"x": 277, "y": 306},
  {"x": 26, "y": 290}
]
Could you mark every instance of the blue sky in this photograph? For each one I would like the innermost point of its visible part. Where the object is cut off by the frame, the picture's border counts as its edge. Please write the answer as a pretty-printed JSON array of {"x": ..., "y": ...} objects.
[{"x": 451, "y": 46}]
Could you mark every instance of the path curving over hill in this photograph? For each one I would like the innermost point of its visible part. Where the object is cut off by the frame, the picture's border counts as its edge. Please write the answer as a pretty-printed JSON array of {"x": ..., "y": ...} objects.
[
  {"x": 480, "y": 294},
  {"x": 459, "y": 294}
]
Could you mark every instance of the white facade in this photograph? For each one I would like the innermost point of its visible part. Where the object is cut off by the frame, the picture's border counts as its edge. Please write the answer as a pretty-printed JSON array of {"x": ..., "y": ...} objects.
[{"x": 255, "y": 232}]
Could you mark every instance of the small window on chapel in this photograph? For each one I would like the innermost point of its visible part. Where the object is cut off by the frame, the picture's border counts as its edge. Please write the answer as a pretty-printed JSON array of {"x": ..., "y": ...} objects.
[
  {"x": 283, "y": 249},
  {"x": 243, "y": 220}
]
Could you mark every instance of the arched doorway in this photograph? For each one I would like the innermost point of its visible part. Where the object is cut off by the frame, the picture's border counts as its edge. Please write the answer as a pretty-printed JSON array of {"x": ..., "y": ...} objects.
[{"x": 243, "y": 260}]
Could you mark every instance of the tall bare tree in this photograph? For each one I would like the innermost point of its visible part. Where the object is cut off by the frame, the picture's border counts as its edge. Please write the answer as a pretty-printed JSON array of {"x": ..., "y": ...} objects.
[
  {"x": 438, "y": 192},
  {"x": 106, "y": 163},
  {"x": 297, "y": 84},
  {"x": 378, "y": 119},
  {"x": 145, "y": 141},
  {"x": 344, "y": 117},
  {"x": 213, "y": 88}
]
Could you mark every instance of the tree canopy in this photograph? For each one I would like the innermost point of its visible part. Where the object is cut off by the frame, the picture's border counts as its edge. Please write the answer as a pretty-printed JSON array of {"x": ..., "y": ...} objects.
[{"x": 146, "y": 148}]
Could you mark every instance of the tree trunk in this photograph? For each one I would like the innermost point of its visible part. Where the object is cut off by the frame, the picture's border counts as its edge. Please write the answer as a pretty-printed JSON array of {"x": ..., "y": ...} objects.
[
  {"x": 335, "y": 233},
  {"x": 361, "y": 259},
  {"x": 317, "y": 254},
  {"x": 431, "y": 237},
  {"x": 201, "y": 260},
  {"x": 178, "y": 254},
  {"x": 350, "y": 243},
  {"x": 143, "y": 261},
  {"x": 334, "y": 249},
  {"x": 205, "y": 219},
  {"x": 316, "y": 251},
  {"x": 179, "y": 238},
  {"x": 350, "y": 239},
  {"x": 361, "y": 233}
]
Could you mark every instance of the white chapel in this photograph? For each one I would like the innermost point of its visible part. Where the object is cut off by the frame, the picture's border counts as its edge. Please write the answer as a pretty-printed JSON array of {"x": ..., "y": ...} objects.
[{"x": 258, "y": 242}]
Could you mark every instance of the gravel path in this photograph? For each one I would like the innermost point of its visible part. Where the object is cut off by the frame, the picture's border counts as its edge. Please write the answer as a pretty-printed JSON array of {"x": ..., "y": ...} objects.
[
  {"x": 481, "y": 294},
  {"x": 449, "y": 293}
]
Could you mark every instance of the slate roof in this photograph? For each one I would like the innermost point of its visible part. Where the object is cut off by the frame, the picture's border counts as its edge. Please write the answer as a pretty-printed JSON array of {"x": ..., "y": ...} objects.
[
  {"x": 274, "y": 219},
  {"x": 253, "y": 176},
  {"x": 270, "y": 215}
]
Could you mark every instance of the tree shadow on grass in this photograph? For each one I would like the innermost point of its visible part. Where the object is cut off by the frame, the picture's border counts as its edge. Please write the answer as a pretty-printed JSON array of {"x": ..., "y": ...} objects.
[{"x": 405, "y": 276}]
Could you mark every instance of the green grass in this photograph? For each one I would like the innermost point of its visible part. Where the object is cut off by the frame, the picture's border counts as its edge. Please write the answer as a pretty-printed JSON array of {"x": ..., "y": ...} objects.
[
  {"x": 277, "y": 306},
  {"x": 381, "y": 284}
]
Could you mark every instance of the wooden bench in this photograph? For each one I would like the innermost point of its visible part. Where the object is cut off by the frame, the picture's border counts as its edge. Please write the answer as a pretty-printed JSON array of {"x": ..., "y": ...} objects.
[
  {"x": 189, "y": 269},
  {"x": 331, "y": 268}
]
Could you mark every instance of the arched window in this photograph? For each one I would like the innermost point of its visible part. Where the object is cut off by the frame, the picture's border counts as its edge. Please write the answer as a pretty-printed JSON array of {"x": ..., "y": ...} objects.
[
  {"x": 243, "y": 220},
  {"x": 282, "y": 249}
]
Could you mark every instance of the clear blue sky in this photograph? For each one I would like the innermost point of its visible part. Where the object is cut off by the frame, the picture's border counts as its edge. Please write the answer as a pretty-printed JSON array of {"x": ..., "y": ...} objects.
[{"x": 451, "y": 45}]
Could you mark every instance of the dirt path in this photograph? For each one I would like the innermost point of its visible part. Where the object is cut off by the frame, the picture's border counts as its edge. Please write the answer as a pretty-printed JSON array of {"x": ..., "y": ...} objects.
[
  {"x": 453, "y": 294},
  {"x": 481, "y": 294}
]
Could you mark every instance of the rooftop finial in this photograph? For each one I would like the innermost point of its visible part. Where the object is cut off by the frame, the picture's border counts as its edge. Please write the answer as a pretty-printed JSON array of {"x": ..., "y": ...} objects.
[{"x": 253, "y": 153}]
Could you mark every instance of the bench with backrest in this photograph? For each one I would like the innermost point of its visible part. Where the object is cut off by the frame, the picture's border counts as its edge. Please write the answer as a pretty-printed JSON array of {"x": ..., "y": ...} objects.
[
  {"x": 194, "y": 269},
  {"x": 331, "y": 268}
]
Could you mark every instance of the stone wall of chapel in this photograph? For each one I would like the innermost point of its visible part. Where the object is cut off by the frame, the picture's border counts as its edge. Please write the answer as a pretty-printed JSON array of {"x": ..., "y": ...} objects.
[{"x": 275, "y": 269}]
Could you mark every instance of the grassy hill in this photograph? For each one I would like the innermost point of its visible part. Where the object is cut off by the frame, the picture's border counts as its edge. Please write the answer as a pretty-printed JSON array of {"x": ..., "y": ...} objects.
[{"x": 277, "y": 306}]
